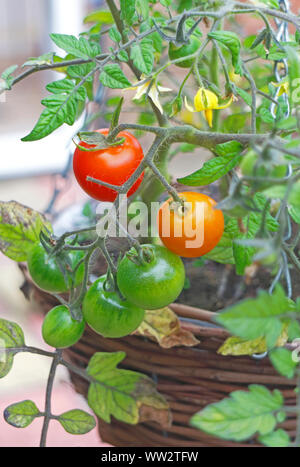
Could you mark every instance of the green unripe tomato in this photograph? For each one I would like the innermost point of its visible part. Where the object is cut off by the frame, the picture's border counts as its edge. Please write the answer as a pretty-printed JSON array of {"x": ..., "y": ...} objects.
[
  {"x": 155, "y": 283},
  {"x": 247, "y": 167},
  {"x": 60, "y": 330},
  {"x": 45, "y": 271},
  {"x": 109, "y": 315},
  {"x": 184, "y": 51}
]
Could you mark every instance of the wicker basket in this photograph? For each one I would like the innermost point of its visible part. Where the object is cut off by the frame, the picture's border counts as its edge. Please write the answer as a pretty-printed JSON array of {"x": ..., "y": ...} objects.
[{"x": 189, "y": 377}]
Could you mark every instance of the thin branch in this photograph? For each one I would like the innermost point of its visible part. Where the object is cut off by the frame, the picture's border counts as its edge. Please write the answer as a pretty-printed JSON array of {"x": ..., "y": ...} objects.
[{"x": 47, "y": 418}]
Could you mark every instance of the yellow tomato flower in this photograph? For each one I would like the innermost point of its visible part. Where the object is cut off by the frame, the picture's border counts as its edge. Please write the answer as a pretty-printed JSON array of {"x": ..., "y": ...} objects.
[
  {"x": 207, "y": 101},
  {"x": 284, "y": 87},
  {"x": 153, "y": 92}
]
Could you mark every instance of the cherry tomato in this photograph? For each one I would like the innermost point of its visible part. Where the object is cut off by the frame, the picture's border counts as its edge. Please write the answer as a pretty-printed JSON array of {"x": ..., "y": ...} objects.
[
  {"x": 184, "y": 51},
  {"x": 154, "y": 283},
  {"x": 109, "y": 315},
  {"x": 60, "y": 330},
  {"x": 112, "y": 165},
  {"x": 46, "y": 272},
  {"x": 248, "y": 168},
  {"x": 191, "y": 231}
]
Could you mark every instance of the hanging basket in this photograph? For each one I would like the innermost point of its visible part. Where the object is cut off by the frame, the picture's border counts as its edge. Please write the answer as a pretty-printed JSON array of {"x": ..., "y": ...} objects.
[{"x": 189, "y": 377}]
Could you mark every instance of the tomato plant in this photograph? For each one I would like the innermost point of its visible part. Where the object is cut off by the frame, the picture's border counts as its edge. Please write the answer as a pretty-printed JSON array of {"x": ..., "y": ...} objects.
[
  {"x": 233, "y": 111},
  {"x": 108, "y": 314},
  {"x": 153, "y": 280},
  {"x": 60, "y": 330},
  {"x": 51, "y": 273},
  {"x": 113, "y": 165},
  {"x": 192, "y": 229}
]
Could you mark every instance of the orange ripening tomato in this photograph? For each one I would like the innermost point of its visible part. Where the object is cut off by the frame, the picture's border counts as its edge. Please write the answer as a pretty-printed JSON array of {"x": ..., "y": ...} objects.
[
  {"x": 191, "y": 230},
  {"x": 113, "y": 165}
]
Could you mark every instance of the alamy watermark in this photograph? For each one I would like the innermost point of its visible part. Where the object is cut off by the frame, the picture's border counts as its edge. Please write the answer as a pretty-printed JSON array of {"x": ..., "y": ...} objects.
[{"x": 140, "y": 220}]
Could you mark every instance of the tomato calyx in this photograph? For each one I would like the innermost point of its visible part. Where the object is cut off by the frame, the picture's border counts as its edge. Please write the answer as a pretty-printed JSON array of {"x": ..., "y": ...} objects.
[
  {"x": 75, "y": 312},
  {"x": 179, "y": 208},
  {"x": 96, "y": 141},
  {"x": 109, "y": 284},
  {"x": 145, "y": 255}
]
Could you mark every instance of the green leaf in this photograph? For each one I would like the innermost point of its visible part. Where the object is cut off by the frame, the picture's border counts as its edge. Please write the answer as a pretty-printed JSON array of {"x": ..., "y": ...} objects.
[
  {"x": 128, "y": 11},
  {"x": 232, "y": 42},
  {"x": 211, "y": 171},
  {"x": 142, "y": 55},
  {"x": 142, "y": 8},
  {"x": 282, "y": 360},
  {"x": 99, "y": 16},
  {"x": 45, "y": 59},
  {"x": 235, "y": 123},
  {"x": 114, "y": 34},
  {"x": 20, "y": 229},
  {"x": 81, "y": 47},
  {"x": 116, "y": 115},
  {"x": 63, "y": 85},
  {"x": 243, "y": 254},
  {"x": 79, "y": 71},
  {"x": 46, "y": 124},
  {"x": 7, "y": 78},
  {"x": 294, "y": 330},
  {"x": 264, "y": 316},
  {"x": 123, "y": 394},
  {"x": 123, "y": 56},
  {"x": 77, "y": 422},
  {"x": 113, "y": 101},
  {"x": 276, "y": 439},
  {"x": 154, "y": 36},
  {"x": 231, "y": 147},
  {"x": 62, "y": 107},
  {"x": 223, "y": 252},
  {"x": 244, "y": 95},
  {"x": 113, "y": 77},
  {"x": 21, "y": 414},
  {"x": 266, "y": 115},
  {"x": 241, "y": 415},
  {"x": 11, "y": 336}
]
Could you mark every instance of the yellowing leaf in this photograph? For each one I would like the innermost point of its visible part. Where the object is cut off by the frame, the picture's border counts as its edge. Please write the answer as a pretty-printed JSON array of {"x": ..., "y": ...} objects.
[
  {"x": 237, "y": 346},
  {"x": 124, "y": 394},
  {"x": 20, "y": 228},
  {"x": 164, "y": 327}
]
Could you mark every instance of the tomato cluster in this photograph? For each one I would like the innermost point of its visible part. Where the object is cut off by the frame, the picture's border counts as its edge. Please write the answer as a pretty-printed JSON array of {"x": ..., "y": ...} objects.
[{"x": 148, "y": 278}]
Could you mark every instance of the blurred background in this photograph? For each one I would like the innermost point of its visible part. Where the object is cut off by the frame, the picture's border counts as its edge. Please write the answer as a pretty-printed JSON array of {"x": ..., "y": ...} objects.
[{"x": 30, "y": 173}]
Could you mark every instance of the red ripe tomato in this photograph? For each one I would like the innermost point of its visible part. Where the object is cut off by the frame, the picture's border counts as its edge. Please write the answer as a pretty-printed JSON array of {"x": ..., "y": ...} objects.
[
  {"x": 191, "y": 231},
  {"x": 112, "y": 165}
]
